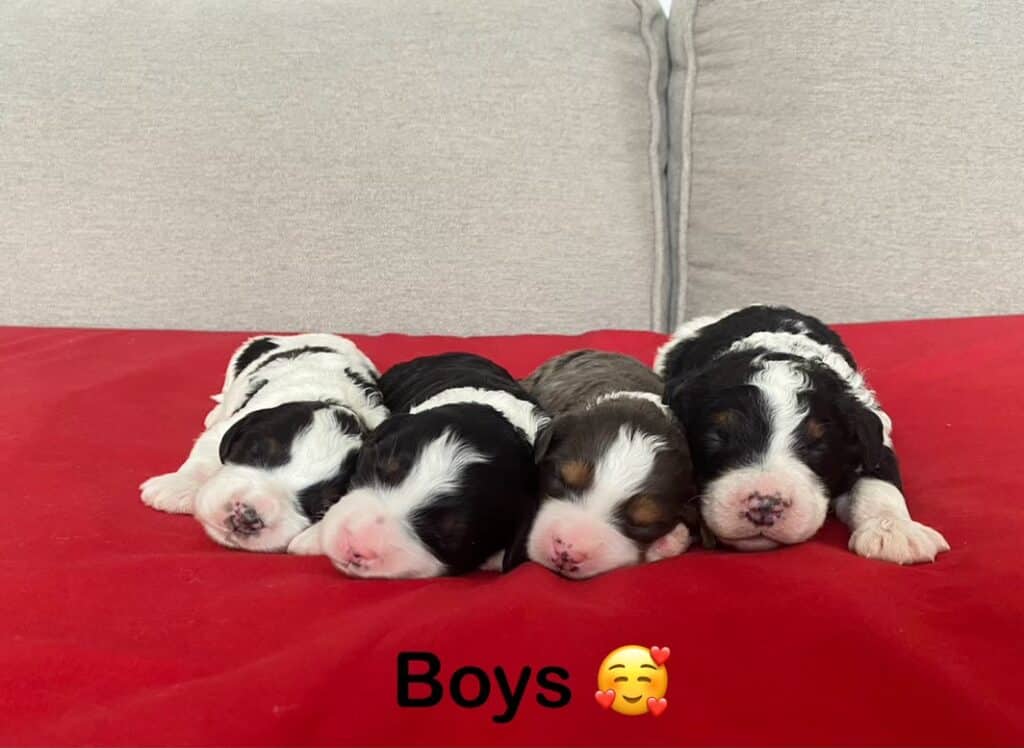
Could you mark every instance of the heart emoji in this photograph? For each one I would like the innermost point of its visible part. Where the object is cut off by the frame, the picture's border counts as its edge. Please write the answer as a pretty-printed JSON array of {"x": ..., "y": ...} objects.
[
  {"x": 656, "y": 706},
  {"x": 660, "y": 654},
  {"x": 605, "y": 698}
]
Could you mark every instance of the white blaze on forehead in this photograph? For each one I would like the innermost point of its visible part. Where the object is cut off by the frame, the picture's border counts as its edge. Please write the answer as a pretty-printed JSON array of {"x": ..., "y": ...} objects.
[
  {"x": 522, "y": 414},
  {"x": 800, "y": 345},
  {"x": 437, "y": 469},
  {"x": 780, "y": 383},
  {"x": 317, "y": 452},
  {"x": 622, "y": 470}
]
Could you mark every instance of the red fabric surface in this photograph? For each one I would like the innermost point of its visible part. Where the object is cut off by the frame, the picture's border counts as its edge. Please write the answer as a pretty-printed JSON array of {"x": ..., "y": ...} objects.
[{"x": 123, "y": 626}]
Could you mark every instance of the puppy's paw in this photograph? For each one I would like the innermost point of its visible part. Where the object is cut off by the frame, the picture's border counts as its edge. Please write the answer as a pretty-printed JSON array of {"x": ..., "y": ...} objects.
[
  {"x": 494, "y": 562},
  {"x": 901, "y": 541},
  {"x": 172, "y": 492},
  {"x": 307, "y": 542},
  {"x": 672, "y": 544},
  {"x": 215, "y": 415}
]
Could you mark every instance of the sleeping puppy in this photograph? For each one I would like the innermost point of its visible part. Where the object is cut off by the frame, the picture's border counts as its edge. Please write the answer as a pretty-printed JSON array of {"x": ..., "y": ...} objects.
[
  {"x": 781, "y": 424},
  {"x": 280, "y": 446},
  {"x": 615, "y": 472},
  {"x": 442, "y": 485}
]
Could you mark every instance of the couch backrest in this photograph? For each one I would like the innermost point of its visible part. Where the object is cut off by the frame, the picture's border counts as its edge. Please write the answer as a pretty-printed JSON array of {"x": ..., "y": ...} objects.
[
  {"x": 361, "y": 166},
  {"x": 859, "y": 159},
  {"x": 506, "y": 167}
]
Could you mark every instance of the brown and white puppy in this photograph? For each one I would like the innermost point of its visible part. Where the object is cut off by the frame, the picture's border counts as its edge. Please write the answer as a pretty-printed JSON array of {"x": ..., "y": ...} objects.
[{"x": 615, "y": 474}]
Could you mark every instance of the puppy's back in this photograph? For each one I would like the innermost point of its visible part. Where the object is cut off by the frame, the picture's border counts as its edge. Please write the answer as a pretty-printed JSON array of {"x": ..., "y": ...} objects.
[
  {"x": 408, "y": 384},
  {"x": 692, "y": 348},
  {"x": 579, "y": 378}
]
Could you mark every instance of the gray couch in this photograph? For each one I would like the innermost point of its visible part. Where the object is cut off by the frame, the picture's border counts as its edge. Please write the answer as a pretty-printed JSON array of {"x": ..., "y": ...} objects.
[{"x": 523, "y": 166}]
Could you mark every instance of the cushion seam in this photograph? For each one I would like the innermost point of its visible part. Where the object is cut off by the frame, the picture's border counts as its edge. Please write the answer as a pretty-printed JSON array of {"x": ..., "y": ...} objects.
[
  {"x": 660, "y": 301},
  {"x": 681, "y": 294}
]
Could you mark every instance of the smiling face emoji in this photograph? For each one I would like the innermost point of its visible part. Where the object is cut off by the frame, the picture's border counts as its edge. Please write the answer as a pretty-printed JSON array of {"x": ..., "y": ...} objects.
[{"x": 628, "y": 677}]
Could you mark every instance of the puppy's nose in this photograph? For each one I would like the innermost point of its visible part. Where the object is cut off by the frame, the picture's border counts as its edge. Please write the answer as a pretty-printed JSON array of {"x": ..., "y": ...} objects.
[
  {"x": 564, "y": 556},
  {"x": 244, "y": 520},
  {"x": 763, "y": 510},
  {"x": 353, "y": 549}
]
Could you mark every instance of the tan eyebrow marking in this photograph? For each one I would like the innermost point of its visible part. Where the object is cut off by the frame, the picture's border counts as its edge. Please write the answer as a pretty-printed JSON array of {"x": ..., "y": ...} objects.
[
  {"x": 815, "y": 428},
  {"x": 391, "y": 467},
  {"x": 725, "y": 418},
  {"x": 643, "y": 510},
  {"x": 577, "y": 474}
]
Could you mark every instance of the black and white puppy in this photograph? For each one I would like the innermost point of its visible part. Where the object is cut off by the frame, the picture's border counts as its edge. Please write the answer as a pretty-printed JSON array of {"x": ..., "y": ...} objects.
[
  {"x": 781, "y": 423},
  {"x": 615, "y": 475},
  {"x": 281, "y": 444},
  {"x": 443, "y": 484}
]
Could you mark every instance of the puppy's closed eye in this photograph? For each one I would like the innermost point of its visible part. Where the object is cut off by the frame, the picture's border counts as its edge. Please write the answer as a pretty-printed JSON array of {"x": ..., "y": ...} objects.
[
  {"x": 724, "y": 425},
  {"x": 815, "y": 441},
  {"x": 645, "y": 519},
  {"x": 643, "y": 511}
]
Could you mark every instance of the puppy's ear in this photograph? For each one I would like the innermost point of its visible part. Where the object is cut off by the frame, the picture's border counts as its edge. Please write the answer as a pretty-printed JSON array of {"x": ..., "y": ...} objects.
[
  {"x": 864, "y": 431},
  {"x": 307, "y": 542},
  {"x": 515, "y": 552},
  {"x": 707, "y": 538},
  {"x": 678, "y": 397},
  {"x": 249, "y": 443},
  {"x": 227, "y": 442},
  {"x": 545, "y": 440}
]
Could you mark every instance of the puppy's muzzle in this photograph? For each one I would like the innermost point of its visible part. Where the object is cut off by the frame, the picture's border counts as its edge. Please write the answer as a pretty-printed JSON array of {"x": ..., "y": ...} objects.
[{"x": 244, "y": 520}]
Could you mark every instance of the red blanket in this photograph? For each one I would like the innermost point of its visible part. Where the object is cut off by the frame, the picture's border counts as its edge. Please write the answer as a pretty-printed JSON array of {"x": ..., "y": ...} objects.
[{"x": 123, "y": 626}]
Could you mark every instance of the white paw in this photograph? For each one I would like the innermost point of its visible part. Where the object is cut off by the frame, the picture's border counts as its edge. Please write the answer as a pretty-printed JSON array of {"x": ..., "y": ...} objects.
[
  {"x": 901, "y": 541},
  {"x": 172, "y": 492},
  {"x": 216, "y": 414},
  {"x": 307, "y": 542},
  {"x": 494, "y": 562},
  {"x": 672, "y": 544}
]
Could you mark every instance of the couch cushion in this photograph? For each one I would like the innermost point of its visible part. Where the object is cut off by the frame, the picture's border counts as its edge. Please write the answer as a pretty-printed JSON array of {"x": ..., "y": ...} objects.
[
  {"x": 859, "y": 160},
  {"x": 367, "y": 165},
  {"x": 120, "y": 625}
]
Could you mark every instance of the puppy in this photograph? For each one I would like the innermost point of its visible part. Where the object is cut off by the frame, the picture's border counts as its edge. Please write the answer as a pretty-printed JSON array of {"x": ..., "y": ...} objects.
[
  {"x": 280, "y": 446},
  {"x": 781, "y": 424},
  {"x": 443, "y": 484},
  {"x": 615, "y": 473}
]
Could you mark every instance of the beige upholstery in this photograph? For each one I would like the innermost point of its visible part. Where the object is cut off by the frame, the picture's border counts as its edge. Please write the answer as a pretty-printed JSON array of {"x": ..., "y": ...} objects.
[
  {"x": 857, "y": 159},
  {"x": 428, "y": 166}
]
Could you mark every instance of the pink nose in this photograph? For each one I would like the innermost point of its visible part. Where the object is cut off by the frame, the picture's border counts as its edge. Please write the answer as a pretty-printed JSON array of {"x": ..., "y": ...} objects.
[
  {"x": 353, "y": 549},
  {"x": 564, "y": 556}
]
